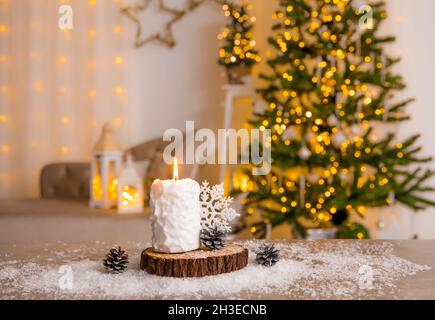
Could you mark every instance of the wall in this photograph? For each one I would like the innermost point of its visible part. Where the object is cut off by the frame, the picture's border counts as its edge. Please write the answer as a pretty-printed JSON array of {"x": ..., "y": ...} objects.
[
  {"x": 413, "y": 25},
  {"x": 169, "y": 86}
]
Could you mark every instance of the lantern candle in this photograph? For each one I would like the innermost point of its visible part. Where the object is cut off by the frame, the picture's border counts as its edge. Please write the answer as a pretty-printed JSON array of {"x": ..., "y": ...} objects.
[
  {"x": 176, "y": 219},
  {"x": 130, "y": 189},
  {"x": 105, "y": 166}
]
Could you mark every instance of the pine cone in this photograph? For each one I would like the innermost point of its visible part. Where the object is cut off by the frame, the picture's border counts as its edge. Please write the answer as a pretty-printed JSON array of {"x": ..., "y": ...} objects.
[
  {"x": 213, "y": 238},
  {"x": 267, "y": 255},
  {"x": 116, "y": 260}
]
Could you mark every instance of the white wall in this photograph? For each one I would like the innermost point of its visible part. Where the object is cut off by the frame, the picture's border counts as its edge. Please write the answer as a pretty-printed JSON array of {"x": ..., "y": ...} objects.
[
  {"x": 166, "y": 87},
  {"x": 169, "y": 86},
  {"x": 414, "y": 27}
]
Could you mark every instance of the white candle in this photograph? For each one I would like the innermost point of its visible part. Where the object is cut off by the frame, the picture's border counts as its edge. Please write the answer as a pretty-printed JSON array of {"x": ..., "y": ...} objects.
[{"x": 176, "y": 219}]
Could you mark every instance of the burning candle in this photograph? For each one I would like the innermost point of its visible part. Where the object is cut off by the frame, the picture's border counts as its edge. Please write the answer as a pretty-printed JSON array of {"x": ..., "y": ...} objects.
[{"x": 176, "y": 218}]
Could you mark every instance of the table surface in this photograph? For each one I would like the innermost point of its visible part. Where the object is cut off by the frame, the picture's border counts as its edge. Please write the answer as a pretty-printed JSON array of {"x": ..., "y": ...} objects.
[{"x": 418, "y": 286}]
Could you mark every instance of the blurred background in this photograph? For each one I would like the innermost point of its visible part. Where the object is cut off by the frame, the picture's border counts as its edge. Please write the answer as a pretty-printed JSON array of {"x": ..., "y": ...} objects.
[{"x": 59, "y": 87}]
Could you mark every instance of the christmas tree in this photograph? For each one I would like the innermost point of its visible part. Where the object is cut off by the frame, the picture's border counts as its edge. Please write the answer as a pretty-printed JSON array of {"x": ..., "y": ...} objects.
[
  {"x": 237, "y": 53},
  {"x": 329, "y": 88}
]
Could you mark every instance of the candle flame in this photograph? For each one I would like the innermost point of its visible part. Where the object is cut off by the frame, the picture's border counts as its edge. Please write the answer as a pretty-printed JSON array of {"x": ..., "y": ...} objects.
[{"x": 175, "y": 169}]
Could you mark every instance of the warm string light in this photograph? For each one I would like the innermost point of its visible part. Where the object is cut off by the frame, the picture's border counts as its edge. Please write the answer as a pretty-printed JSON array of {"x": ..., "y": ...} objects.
[
  {"x": 117, "y": 29},
  {"x": 113, "y": 189},
  {"x": 117, "y": 121},
  {"x": 129, "y": 196},
  {"x": 64, "y": 120},
  {"x": 61, "y": 59},
  {"x": 119, "y": 90},
  {"x": 33, "y": 143},
  {"x": 97, "y": 188},
  {"x": 326, "y": 81},
  {"x": 5, "y": 148},
  {"x": 118, "y": 60},
  {"x": 240, "y": 45},
  {"x": 242, "y": 182},
  {"x": 39, "y": 84}
]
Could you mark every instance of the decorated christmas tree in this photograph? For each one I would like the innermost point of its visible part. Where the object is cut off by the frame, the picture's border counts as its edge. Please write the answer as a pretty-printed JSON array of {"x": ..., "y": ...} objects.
[
  {"x": 237, "y": 53},
  {"x": 330, "y": 105}
]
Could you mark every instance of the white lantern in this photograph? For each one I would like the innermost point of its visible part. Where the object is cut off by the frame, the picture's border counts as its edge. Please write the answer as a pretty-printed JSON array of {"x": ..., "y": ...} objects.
[
  {"x": 130, "y": 189},
  {"x": 105, "y": 166}
]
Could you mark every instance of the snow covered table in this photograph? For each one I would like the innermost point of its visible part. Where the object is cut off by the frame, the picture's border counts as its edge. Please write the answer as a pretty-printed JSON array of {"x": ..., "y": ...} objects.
[{"x": 330, "y": 269}]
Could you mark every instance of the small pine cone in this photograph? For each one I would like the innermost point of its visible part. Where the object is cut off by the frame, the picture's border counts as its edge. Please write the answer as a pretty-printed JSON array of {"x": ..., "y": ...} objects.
[
  {"x": 267, "y": 255},
  {"x": 116, "y": 260},
  {"x": 213, "y": 238}
]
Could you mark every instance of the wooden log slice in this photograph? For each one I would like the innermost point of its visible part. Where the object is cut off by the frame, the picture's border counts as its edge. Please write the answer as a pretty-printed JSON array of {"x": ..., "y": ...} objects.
[{"x": 198, "y": 263}]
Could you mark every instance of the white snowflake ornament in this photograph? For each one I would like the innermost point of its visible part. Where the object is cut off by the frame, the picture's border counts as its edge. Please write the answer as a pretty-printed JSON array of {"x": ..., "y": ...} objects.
[{"x": 215, "y": 207}]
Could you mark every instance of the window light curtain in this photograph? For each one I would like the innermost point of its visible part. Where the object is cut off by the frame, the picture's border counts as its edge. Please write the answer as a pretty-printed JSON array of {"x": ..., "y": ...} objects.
[{"x": 57, "y": 87}]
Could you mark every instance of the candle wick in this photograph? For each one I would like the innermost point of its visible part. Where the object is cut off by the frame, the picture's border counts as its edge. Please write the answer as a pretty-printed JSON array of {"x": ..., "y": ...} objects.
[{"x": 175, "y": 169}]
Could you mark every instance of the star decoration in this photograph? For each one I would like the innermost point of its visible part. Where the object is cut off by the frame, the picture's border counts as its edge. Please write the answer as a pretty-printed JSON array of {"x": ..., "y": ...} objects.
[{"x": 165, "y": 36}]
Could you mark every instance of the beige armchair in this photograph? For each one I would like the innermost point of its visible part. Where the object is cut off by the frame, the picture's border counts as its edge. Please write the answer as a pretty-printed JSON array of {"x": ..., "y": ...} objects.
[{"x": 65, "y": 180}]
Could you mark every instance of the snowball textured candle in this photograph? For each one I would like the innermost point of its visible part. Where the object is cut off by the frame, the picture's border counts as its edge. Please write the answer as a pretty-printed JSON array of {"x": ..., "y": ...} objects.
[{"x": 176, "y": 219}]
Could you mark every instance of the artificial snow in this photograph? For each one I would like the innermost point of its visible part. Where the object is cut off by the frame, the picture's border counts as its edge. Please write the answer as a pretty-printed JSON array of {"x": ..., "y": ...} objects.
[{"x": 340, "y": 269}]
